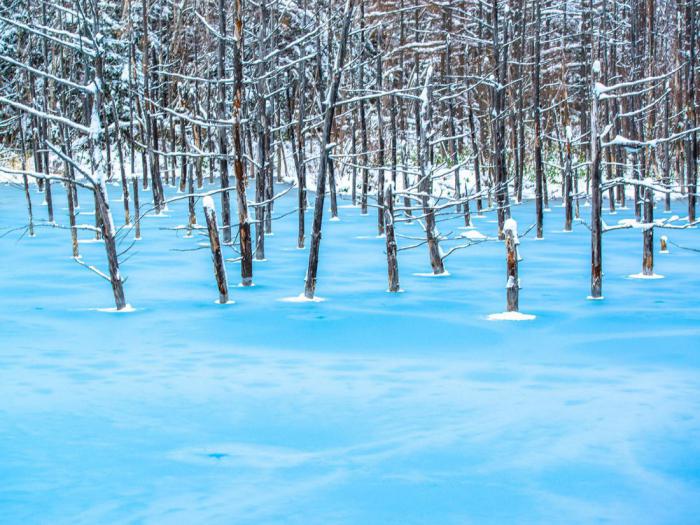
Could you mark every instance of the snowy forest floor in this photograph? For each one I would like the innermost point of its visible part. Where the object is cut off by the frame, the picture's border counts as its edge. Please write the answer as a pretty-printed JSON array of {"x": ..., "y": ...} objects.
[{"x": 367, "y": 408}]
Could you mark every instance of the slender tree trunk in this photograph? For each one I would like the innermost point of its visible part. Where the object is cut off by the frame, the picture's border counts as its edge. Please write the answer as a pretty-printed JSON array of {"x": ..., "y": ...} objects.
[
  {"x": 512, "y": 279},
  {"x": 423, "y": 153},
  {"x": 243, "y": 222},
  {"x": 391, "y": 249},
  {"x": 217, "y": 258},
  {"x": 539, "y": 172},
  {"x": 25, "y": 181},
  {"x": 596, "y": 199},
  {"x": 223, "y": 148},
  {"x": 331, "y": 97},
  {"x": 648, "y": 232}
]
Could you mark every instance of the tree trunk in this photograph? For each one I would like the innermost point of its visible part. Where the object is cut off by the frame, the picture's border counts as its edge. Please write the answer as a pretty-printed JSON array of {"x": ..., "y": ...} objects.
[
  {"x": 332, "y": 97},
  {"x": 217, "y": 258},
  {"x": 596, "y": 198},
  {"x": 391, "y": 249},
  {"x": 510, "y": 230},
  {"x": 243, "y": 222},
  {"x": 648, "y": 232}
]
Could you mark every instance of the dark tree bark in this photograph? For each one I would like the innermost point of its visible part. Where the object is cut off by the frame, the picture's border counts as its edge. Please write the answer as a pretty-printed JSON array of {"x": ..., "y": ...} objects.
[
  {"x": 25, "y": 181},
  {"x": 221, "y": 102},
  {"x": 332, "y": 97},
  {"x": 539, "y": 171},
  {"x": 391, "y": 248},
  {"x": 648, "y": 233},
  {"x": 423, "y": 154},
  {"x": 217, "y": 258},
  {"x": 596, "y": 198},
  {"x": 512, "y": 280},
  {"x": 243, "y": 222}
]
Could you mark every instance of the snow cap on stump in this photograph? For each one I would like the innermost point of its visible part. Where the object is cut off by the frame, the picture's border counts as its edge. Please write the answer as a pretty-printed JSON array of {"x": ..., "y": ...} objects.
[
  {"x": 512, "y": 226},
  {"x": 208, "y": 203}
]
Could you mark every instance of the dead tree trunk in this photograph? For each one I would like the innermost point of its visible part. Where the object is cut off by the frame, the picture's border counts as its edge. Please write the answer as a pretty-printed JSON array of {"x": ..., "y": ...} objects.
[
  {"x": 423, "y": 154},
  {"x": 192, "y": 221},
  {"x": 69, "y": 194},
  {"x": 263, "y": 160},
  {"x": 122, "y": 169},
  {"x": 510, "y": 230},
  {"x": 690, "y": 112},
  {"x": 25, "y": 180},
  {"x": 183, "y": 157},
  {"x": 331, "y": 98},
  {"x": 300, "y": 148},
  {"x": 137, "y": 210},
  {"x": 596, "y": 197},
  {"x": 243, "y": 222},
  {"x": 666, "y": 178},
  {"x": 648, "y": 243},
  {"x": 391, "y": 249},
  {"x": 475, "y": 154},
  {"x": 380, "y": 137},
  {"x": 109, "y": 233},
  {"x": 539, "y": 171},
  {"x": 363, "y": 119},
  {"x": 498, "y": 94},
  {"x": 353, "y": 151},
  {"x": 217, "y": 258},
  {"x": 221, "y": 102},
  {"x": 568, "y": 183}
]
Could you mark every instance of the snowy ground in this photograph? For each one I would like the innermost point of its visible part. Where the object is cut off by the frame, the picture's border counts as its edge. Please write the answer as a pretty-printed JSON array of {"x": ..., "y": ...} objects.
[{"x": 367, "y": 408}]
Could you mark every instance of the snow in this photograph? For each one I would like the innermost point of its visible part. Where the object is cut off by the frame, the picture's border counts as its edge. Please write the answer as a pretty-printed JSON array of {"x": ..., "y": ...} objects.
[
  {"x": 301, "y": 298},
  {"x": 631, "y": 222},
  {"x": 95, "y": 126},
  {"x": 208, "y": 202},
  {"x": 432, "y": 274},
  {"x": 127, "y": 309},
  {"x": 474, "y": 235},
  {"x": 642, "y": 276},
  {"x": 511, "y": 316},
  {"x": 367, "y": 408}
]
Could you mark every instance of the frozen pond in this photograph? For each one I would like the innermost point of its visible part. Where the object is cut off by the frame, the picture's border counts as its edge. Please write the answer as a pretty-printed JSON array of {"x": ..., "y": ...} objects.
[{"x": 367, "y": 408}]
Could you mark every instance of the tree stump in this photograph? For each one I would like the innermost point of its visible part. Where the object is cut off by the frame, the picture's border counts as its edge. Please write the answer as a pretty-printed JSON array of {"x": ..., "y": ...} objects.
[{"x": 510, "y": 230}]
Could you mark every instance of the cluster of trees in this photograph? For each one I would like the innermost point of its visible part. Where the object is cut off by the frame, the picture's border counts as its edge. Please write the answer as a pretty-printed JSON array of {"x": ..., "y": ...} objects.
[{"x": 417, "y": 109}]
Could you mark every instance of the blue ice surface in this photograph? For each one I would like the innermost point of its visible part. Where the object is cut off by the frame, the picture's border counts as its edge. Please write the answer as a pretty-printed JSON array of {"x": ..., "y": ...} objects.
[{"x": 368, "y": 408}]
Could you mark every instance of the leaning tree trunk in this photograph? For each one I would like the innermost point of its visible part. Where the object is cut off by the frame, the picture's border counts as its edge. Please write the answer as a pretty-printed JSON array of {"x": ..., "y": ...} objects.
[
  {"x": 217, "y": 258},
  {"x": 332, "y": 97},
  {"x": 109, "y": 233}
]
